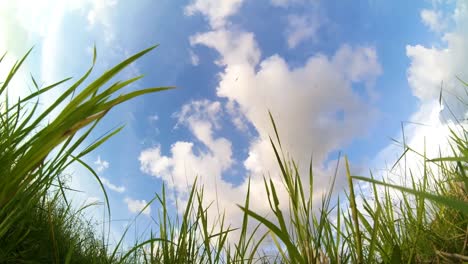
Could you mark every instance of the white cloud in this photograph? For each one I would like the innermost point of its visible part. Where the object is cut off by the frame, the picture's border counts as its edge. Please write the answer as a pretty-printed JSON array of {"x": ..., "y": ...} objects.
[
  {"x": 152, "y": 162},
  {"x": 200, "y": 110},
  {"x": 101, "y": 165},
  {"x": 215, "y": 11},
  {"x": 301, "y": 28},
  {"x": 235, "y": 47},
  {"x": 136, "y": 206},
  {"x": 99, "y": 13},
  {"x": 95, "y": 13},
  {"x": 430, "y": 66},
  {"x": 180, "y": 169},
  {"x": 314, "y": 105},
  {"x": 321, "y": 90},
  {"x": 425, "y": 131},
  {"x": 110, "y": 185},
  {"x": 433, "y": 19}
]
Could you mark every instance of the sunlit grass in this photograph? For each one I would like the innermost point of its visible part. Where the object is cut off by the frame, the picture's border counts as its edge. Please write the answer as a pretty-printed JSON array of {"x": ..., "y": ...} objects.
[
  {"x": 426, "y": 224},
  {"x": 36, "y": 220}
]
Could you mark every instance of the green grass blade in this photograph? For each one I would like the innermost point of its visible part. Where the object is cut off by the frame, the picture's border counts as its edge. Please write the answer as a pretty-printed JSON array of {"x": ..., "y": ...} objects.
[{"x": 449, "y": 202}]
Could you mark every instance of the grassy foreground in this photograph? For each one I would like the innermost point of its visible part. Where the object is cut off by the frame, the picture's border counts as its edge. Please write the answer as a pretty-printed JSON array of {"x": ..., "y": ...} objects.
[{"x": 427, "y": 224}]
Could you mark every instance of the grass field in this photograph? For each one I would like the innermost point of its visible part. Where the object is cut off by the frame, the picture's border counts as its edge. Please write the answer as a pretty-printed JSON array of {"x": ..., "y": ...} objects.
[{"x": 427, "y": 224}]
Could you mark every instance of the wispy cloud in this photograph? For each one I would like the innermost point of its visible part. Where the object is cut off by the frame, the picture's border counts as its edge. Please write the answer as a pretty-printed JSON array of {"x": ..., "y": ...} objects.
[
  {"x": 111, "y": 186},
  {"x": 301, "y": 28},
  {"x": 433, "y": 19},
  {"x": 194, "y": 59},
  {"x": 99, "y": 14},
  {"x": 101, "y": 165}
]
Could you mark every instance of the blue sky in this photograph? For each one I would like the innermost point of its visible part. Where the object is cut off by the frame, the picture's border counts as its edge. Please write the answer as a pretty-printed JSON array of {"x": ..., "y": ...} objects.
[{"x": 336, "y": 75}]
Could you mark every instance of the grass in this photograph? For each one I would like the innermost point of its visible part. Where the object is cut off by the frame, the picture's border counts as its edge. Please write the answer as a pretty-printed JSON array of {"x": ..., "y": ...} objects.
[{"x": 427, "y": 223}]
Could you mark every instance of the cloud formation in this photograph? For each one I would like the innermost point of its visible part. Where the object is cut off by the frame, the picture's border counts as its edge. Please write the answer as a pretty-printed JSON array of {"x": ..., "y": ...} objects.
[
  {"x": 433, "y": 19},
  {"x": 194, "y": 59},
  {"x": 430, "y": 66},
  {"x": 186, "y": 162},
  {"x": 111, "y": 186},
  {"x": 301, "y": 28},
  {"x": 320, "y": 91},
  {"x": 216, "y": 12},
  {"x": 101, "y": 165},
  {"x": 136, "y": 206}
]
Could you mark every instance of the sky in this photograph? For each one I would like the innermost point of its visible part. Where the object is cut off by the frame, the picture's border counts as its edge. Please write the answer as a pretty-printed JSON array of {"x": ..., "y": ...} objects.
[{"x": 337, "y": 76}]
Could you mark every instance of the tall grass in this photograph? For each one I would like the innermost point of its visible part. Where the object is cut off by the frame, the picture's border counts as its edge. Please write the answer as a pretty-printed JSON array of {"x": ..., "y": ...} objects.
[
  {"x": 35, "y": 223},
  {"x": 423, "y": 223}
]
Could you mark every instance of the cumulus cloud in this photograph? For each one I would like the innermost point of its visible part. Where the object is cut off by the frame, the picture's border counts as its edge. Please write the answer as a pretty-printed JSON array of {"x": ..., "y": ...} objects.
[
  {"x": 315, "y": 107},
  {"x": 301, "y": 28},
  {"x": 208, "y": 157},
  {"x": 215, "y": 11},
  {"x": 320, "y": 90},
  {"x": 136, "y": 206},
  {"x": 185, "y": 162},
  {"x": 434, "y": 67}
]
